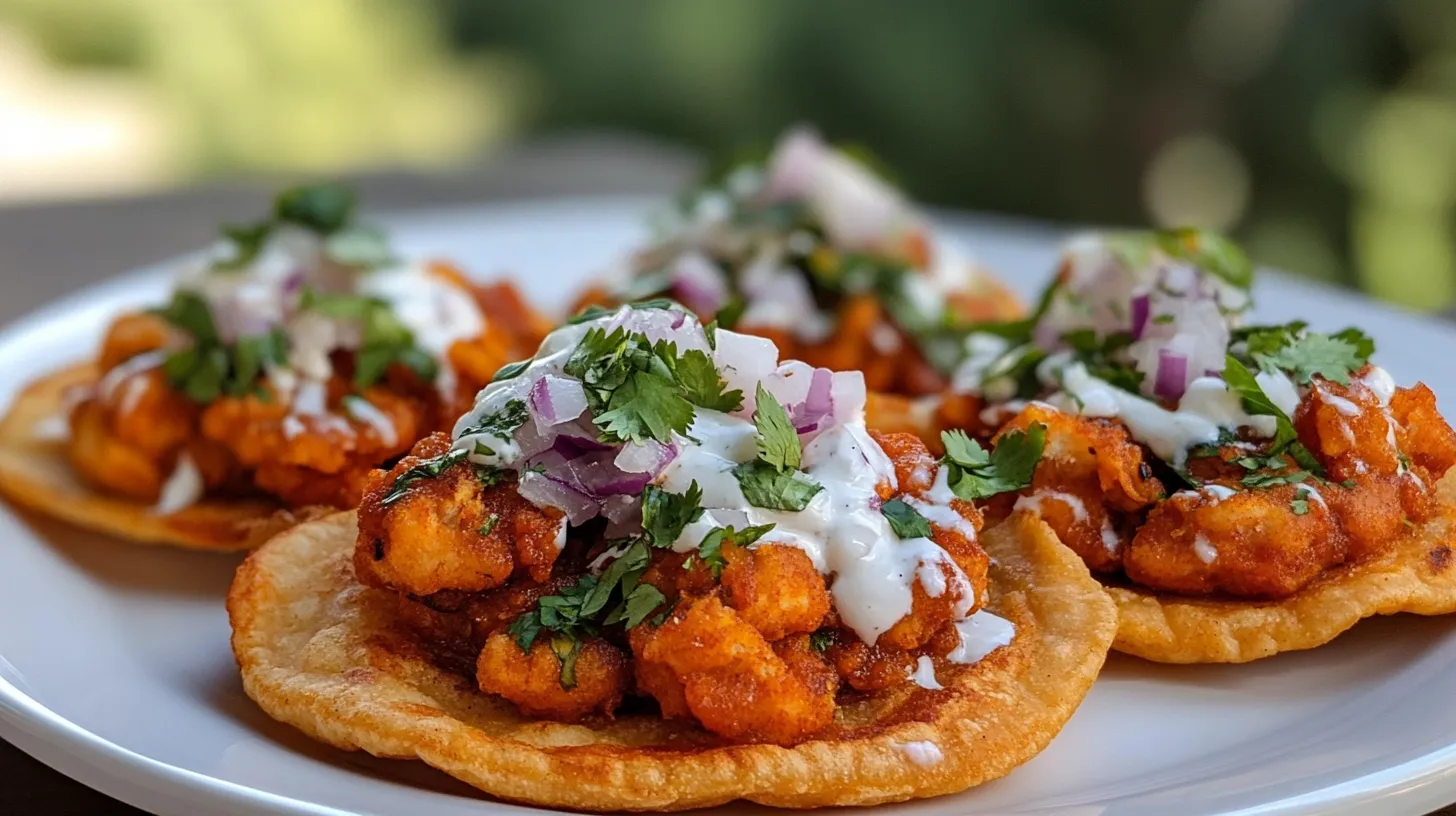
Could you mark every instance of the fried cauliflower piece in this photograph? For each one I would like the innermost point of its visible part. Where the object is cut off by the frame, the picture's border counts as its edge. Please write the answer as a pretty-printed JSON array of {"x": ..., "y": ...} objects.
[
  {"x": 865, "y": 667},
  {"x": 450, "y": 532},
  {"x": 106, "y": 460},
  {"x": 775, "y": 589},
  {"x": 734, "y": 682},
  {"x": 133, "y": 334},
  {"x": 1090, "y": 473},
  {"x": 1249, "y": 543},
  {"x": 1362, "y": 442},
  {"x": 956, "y": 533},
  {"x": 544, "y": 685}
]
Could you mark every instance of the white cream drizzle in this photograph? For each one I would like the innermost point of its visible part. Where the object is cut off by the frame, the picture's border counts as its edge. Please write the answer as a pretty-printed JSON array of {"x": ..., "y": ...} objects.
[
  {"x": 183, "y": 488},
  {"x": 923, "y": 753},
  {"x": 1204, "y": 549},
  {"x": 924, "y": 674},
  {"x": 981, "y": 634}
]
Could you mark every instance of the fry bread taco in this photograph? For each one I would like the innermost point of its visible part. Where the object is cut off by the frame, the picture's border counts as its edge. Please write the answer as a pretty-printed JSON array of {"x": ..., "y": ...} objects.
[
  {"x": 293, "y": 358},
  {"x": 815, "y": 251},
  {"x": 1241, "y": 489},
  {"x": 653, "y": 568}
]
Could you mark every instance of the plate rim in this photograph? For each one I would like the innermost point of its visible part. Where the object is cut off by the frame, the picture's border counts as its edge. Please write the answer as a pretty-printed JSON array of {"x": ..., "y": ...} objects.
[{"x": 1426, "y": 782}]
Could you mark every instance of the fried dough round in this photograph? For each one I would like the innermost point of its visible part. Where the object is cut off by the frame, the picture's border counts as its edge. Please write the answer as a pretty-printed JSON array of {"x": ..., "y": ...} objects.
[
  {"x": 1417, "y": 575},
  {"x": 325, "y": 654},
  {"x": 35, "y": 473}
]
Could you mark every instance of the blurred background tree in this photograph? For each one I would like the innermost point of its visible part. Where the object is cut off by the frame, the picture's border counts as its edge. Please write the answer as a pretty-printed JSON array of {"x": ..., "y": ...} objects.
[{"x": 1321, "y": 132}]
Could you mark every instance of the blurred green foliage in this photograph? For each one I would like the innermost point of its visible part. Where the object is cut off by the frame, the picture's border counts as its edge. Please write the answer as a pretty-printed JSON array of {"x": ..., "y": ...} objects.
[{"x": 1321, "y": 132}]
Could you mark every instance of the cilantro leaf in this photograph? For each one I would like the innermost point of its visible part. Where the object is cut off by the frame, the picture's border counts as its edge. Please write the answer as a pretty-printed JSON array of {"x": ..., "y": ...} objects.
[
  {"x": 962, "y": 450},
  {"x": 1315, "y": 354},
  {"x": 905, "y": 520},
  {"x": 500, "y": 424},
  {"x": 973, "y": 474},
  {"x": 665, "y": 515},
  {"x": 641, "y": 602},
  {"x": 778, "y": 442},
  {"x": 362, "y": 247},
  {"x": 567, "y": 647},
  {"x": 323, "y": 208},
  {"x": 1300, "y": 503},
  {"x": 247, "y": 241},
  {"x": 1209, "y": 251},
  {"x": 1286, "y": 440},
  {"x": 772, "y": 489},
  {"x": 510, "y": 371},
  {"x": 711, "y": 331},
  {"x": 428, "y": 469},
  {"x": 189, "y": 312},
  {"x": 703, "y": 385},
  {"x": 821, "y": 640},
  {"x": 710, "y": 549},
  {"x": 490, "y": 523},
  {"x": 646, "y": 406}
]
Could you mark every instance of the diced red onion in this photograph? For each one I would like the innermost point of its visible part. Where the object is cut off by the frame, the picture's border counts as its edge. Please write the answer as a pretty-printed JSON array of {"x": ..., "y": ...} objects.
[
  {"x": 597, "y": 475},
  {"x": 744, "y": 361},
  {"x": 573, "y": 447},
  {"x": 1140, "y": 309},
  {"x": 1172, "y": 378},
  {"x": 818, "y": 404},
  {"x": 555, "y": 400},
  {"x": 698, "y": 283},
  {"x": 650, "y": 457},
  {"x": 544, "y": 490},
  {"x": 794, "y": 163},
  {"x": 661, "y": 324},
  {"x": 624, "y": 516}
]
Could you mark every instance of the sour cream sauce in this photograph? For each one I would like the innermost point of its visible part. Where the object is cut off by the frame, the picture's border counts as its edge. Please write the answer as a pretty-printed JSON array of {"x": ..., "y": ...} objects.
[{"x": 872, "y": 571}]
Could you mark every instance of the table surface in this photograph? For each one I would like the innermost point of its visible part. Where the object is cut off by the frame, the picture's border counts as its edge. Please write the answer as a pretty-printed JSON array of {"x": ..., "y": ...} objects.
[{"x": 49, "y": 250}]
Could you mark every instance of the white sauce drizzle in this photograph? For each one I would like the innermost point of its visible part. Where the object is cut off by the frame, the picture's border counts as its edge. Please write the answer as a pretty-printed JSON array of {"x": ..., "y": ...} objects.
[
  {"x": 1204, "y": 549},
  {"x": 924, "y": 675},
  {"x": 182, "y": 489},
  {"x": 364, "y": 411},
  {"x": 981, "y": 634},
  {"x": 1207, "y": 407},
  {"x": 924, "y": 753},
  {"x": 1033, "y": 503}
]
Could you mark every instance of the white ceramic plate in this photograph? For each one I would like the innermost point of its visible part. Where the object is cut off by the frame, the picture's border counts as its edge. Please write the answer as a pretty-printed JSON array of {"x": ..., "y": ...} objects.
[{"x": 115, "y": 668}]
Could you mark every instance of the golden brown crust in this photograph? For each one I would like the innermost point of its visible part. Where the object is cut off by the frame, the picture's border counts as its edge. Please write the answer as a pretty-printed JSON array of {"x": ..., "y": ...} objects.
[
  {"x": 323, "y": 653},
  {"x": 35, "y": 473},
  {"x": 1417, "y": 575}
]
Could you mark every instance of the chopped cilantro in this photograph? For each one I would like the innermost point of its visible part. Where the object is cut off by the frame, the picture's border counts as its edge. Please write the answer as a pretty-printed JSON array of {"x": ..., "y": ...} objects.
[
  {"x": 632, "y": 387},
  {"x": 974, "y": 474},
  {"x": 323, "y": 208},
  {"x": 711, "y": 331},
  {"x": 646, "y": 406},
  {"x": 710, "y": 549},
  {"x": 385, "y": 340},
  {"x": 501, "y": 424},
  {"x": 1300, "y": 503},
  {"x": 778, "y": 442},
  {"x": 643, "y": 600},
  {"x": 1210, "y": 252},
  {"x": 360, "y": 246},
  {"x": 772, "y": 489},
  {"x": 428, "y": 469},
  {"x": 566, "y": 647},
  {"x": 510, "y": 371},
  {"x": 728, "y": 316},
  {"x": 821, "y": 640},
  {"x": 665, "y": 515},
  {"x": 489, "y": 476},
  {"x": 209, "y": 368},
  {"x": 490, "y": 523},
  {"x": 905, "y": 520},
  {"x": 1242, "y": 382},
  {"x": 703, "y": 385},
  {"x": 1303, "y": 354}
]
